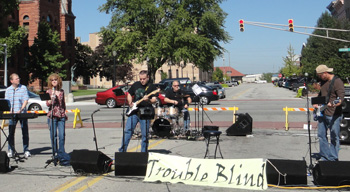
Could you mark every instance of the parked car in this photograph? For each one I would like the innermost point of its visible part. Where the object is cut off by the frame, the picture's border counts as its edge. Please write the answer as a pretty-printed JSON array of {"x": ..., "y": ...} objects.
[
  {"x": 206, "y": 96},
  {"x": 229, "y": 83},
  {"x": 35, "y": 103},
  {"x": 116, "y": 96},
  {"x": 112, "y": 97},
  {"x": 220, "y": 89}
]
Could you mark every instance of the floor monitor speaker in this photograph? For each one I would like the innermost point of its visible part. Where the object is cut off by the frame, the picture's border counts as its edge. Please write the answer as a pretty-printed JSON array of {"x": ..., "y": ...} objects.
[
  {"x": 294, "y": 171},
  {"x": 332, "y": 173},
  {"x": 344, "y": 130},
  {"x": 131, "y": 163},
  {"x": 4, "y": 162},
  {"x": 85, "y": 161},
  {"x": 242, "y": 126}
]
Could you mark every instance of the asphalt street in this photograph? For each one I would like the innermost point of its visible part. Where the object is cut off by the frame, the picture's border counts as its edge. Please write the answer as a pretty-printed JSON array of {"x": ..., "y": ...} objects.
[{"x": 34, "y": 174}]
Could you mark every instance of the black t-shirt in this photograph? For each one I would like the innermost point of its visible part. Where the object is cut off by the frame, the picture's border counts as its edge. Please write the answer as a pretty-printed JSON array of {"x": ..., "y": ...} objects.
[
  {"x": 139, "y": 91},
  {"x": 177, "y": 96}
]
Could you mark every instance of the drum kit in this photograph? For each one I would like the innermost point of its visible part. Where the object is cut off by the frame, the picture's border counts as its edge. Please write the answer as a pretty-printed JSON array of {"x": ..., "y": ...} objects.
[{"x": 168, "y": 122}]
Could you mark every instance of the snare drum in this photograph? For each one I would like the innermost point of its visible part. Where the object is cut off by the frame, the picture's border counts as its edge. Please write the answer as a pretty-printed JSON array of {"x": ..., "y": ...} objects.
[{"x": 159, "y": 112}]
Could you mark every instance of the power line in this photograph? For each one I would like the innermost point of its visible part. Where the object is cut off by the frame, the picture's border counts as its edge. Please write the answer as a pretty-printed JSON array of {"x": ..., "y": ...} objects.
[{"x": 270, "y": 26}]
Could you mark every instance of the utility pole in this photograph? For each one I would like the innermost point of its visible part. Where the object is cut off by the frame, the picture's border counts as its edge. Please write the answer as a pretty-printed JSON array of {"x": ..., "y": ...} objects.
[{"x": 5, "y": 64}]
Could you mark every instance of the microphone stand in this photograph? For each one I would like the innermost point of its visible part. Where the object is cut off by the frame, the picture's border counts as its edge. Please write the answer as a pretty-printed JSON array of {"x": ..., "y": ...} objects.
[
  {"x": 53, "y": 159},
  {"x": 93, "y": 127},
  {"x": 308, "y": 122},
  {"x": 123, "y": 120}
]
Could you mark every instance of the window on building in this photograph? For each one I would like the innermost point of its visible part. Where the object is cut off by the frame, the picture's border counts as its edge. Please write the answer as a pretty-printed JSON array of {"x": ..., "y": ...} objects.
[
  {"x": 26, "y": 27},
  {"x": 177, "y": 73},
  {"x": 68, "y": 28},
  {"x": 169, "y": 73},
  {"x": 26, "y": 17},
  {"x": 48, "y": 19}
]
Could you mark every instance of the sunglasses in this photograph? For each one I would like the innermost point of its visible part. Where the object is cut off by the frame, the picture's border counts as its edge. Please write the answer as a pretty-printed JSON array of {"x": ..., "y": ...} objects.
[{"x": 53, "y": 79}]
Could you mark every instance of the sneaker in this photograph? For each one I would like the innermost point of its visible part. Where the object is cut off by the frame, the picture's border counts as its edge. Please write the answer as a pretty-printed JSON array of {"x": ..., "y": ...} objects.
[
  {"x": 9, "y": 153},
  {"x": 27, "y": 154}
]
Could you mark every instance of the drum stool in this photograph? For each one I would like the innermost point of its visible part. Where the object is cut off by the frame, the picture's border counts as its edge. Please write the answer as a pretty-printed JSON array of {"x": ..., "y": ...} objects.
[{"x": 207, "y": 135}]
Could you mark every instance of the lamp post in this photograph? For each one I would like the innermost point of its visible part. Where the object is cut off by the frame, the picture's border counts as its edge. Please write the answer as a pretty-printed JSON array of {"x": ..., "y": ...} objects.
[
  {"x": 5, "y": 64},
  {"x": 114, "y": 55},
  {"x": 193, "y": 73}
]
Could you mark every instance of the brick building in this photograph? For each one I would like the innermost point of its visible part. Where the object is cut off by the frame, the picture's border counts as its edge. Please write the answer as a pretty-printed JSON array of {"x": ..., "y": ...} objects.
[{"x": 58, "y": 13}]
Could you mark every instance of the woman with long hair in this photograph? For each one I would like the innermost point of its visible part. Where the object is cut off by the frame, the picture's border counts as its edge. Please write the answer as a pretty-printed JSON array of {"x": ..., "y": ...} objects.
[{"x": 57, "y": 118}]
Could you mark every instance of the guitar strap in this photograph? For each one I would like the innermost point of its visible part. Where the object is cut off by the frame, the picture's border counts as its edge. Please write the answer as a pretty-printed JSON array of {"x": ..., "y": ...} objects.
[{"x": 330, "y": 89}]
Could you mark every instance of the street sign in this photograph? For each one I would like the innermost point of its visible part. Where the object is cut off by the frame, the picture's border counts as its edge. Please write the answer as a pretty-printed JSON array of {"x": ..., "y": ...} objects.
[
  {"x": 344, "y": 49},
  {"x": 280, "y": 75}
]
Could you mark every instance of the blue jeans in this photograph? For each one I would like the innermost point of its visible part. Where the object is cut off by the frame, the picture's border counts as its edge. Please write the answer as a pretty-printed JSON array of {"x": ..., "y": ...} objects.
[
  {"x": 25, "y": 134},
  {"x": 187, "y": 119},
  {"x": 59, "y": 125},
  {"x": 129, "y": 131},
  {"x": 329, "y": 151}
]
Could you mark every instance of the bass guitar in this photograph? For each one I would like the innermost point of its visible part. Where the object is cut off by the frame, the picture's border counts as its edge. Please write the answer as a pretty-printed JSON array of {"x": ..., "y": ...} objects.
[{"x": 134, "y": 106}]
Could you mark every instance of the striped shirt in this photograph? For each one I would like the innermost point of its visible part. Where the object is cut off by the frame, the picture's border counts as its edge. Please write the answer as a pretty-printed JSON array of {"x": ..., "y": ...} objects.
[{"x": 17, "y": 96}]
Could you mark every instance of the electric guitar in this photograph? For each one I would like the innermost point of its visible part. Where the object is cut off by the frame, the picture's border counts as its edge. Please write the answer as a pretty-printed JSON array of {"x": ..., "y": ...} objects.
[
  {"x": 318, "y": 112},
  {"x": 134, "y": 106}
]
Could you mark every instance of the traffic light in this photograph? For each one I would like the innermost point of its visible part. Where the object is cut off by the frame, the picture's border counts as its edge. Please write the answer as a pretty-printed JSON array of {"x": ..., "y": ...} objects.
[
  {"x": 291, "y": 25},
  {"x": 241, "y": 25}
]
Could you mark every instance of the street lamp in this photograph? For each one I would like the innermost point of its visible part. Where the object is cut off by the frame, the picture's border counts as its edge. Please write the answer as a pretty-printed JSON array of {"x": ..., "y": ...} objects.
[
  {"x": 5, "y": 66},
  {"x": 114, "y": 55},
  {"x": 193, "y": 72}
]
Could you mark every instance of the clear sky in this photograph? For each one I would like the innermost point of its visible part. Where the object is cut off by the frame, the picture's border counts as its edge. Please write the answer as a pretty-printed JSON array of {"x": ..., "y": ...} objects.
[{"x": 257, "y": 49}]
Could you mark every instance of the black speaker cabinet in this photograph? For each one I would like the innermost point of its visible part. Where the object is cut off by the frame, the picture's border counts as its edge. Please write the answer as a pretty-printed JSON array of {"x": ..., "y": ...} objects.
[
  {"x": 131, "y": 163},
  {"x": 295, "y": 171},
  {"x": 346, "y": 105},
  {"x": 332, "y": 173},
  {"x": 85, "y": 161},
  {"x": 242, "y": 126},
  {"x": 210, "y": 128},
  {"x": 4, "y": 162},
  {"x": 344, "y": 134}
]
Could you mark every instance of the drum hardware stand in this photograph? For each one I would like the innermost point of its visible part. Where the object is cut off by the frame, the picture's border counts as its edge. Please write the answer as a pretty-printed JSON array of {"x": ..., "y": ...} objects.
[{"x": 93, "y": 127}]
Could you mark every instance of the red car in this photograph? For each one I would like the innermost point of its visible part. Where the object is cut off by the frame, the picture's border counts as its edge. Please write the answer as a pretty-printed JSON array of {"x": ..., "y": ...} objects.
[
  {"x": 112, "y": 97},
  {"x": 115, "y": 96}
]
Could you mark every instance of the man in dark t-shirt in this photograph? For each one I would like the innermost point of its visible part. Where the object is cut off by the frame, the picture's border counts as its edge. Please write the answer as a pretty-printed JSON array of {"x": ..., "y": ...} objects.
[
  {"x": 139, "y": 90},
  {"x": 176, "y": 97},
  {"x": 332, "y": 114}
]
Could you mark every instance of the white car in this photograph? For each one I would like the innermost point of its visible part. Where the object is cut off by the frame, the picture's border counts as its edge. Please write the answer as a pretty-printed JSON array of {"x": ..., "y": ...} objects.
[{"x": 34, "y": 102}]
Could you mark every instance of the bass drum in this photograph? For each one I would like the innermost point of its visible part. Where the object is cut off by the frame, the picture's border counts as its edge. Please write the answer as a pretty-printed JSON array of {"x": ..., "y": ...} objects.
[{"x": 162, "y": 127}]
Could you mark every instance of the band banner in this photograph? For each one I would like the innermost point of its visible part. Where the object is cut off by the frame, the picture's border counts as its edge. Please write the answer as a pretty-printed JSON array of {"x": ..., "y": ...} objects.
[{"x": 231, "y": 173}]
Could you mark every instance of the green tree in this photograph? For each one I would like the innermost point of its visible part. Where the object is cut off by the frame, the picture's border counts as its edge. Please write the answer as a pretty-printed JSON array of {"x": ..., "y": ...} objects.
[
  {"x": 166, "y": 30},
  {"x": 290, "y": 66},
  {"x": 267, "y": 77},
  {"x": 7, "y": 7},
  {"x": 83, "y": 64},
  {"x": 45, "y": 55},
  {"x": 104, "y": 62},
  {"x": 217, "y": 75},
  {"x": 163, "y": 75},
  {"x": 13, "y": 38},
  {"x": 325, "y": 51}
]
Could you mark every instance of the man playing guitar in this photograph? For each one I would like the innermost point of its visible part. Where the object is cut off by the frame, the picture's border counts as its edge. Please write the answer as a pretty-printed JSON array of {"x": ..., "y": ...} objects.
[{"x": 140, "y": 90}]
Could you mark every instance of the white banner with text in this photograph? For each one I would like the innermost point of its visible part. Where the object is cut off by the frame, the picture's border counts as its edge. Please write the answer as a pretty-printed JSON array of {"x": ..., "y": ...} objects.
[{"x": 231, "y": 173}]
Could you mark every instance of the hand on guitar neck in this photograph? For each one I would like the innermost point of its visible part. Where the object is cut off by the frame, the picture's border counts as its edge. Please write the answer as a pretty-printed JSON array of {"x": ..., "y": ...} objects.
[{"x": 133, "y": 106}]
